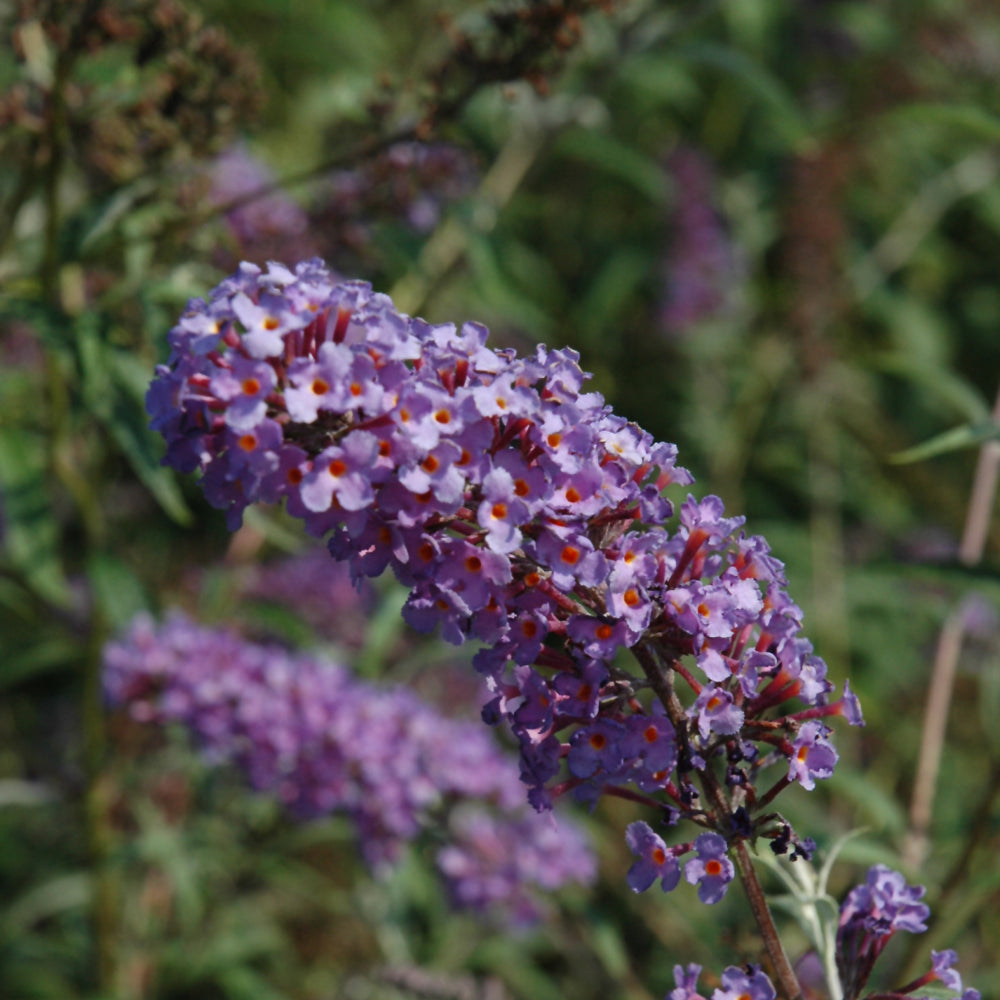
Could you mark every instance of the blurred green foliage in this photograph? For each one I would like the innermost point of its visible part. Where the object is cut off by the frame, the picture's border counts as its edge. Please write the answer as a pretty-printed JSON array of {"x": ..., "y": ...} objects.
[{"x": 849, "y": 158}]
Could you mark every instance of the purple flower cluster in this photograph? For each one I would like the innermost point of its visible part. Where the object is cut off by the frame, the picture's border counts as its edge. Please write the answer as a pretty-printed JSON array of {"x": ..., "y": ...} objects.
[
  {"x": 522, "y": 513},
  {"x": 748, "y": 983},
  {"x": 870, "y": 916},
  {"x": 710, "y": 869},
  {"x": 410, "y": 182},
  {"x": 267, "y": 224},
  {"x": 317, "y": 590},
  {"x": 701, "y": 267},
  {"x": 493, "y": 860},
  {"x": 321, "y": 741}
]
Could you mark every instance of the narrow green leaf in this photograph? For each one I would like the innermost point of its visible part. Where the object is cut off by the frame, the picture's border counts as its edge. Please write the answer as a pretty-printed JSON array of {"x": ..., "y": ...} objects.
[
  {"x": 778, "y": 101},
  {"x": 605, "y": 152},
  {"x": 31, "y": 532},
  {"x": 127, "y": 426},
  {"x": 503, "y": 958},
  {"x": 967, "y": 436},
  {"x": 242, "y": 983},
  {"x": 935, "y": 380},
  {"x": 613, "y": 286},
  {"x": 382, "y": 632},
  {"x": 39, "y": 656},
  {"x": 59, "y": 894},
  {"x": 118, "y": 590},
  {"x": 971, "y": 118}
]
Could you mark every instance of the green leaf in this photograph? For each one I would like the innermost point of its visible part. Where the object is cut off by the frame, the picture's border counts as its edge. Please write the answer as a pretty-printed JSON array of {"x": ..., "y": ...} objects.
[
  {"x": 503, "y": 958},
  {"x": 31, "y": 532},
  {"x": 382, "y": 632},
  {"x": 881, "y": 810},
  {"x": 968, "y": 436},
  {"x": 607, "y": 945},
  {"x": 64, "y": 892},
  {"x": 768, "y": 89},
  {"x": 611, "y": 289},
  {"x": 970, "y": 118},
  {"x": 242, "y": 983},
  {"x": 118, "y": 591},
  {"x": 936, "y": 381},
  {"x": 39, "y": 655},
  {"x": 604, "y": 151},
  {"x": 135, "y": 442}
]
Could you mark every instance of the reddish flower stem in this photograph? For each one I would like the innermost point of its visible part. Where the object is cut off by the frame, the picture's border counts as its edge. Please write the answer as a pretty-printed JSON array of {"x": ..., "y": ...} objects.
[{"x": 658, "y": 669}]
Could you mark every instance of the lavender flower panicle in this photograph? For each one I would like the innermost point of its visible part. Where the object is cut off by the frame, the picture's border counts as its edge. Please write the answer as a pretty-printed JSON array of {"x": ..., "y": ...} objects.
[
  {"x": 309, "y": 733},
  {"x": 702, "y": 265},
  {"x": 522, "y": 513},
  {"x": 871, "y": 914}
]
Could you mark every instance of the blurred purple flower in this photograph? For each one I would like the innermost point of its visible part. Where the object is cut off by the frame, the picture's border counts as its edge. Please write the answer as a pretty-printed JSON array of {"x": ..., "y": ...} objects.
[
  {"x": 411, "y": 183},
  {"x": 702, "y": 266},
  {"x": 269, "y": 226},
  {"x": 308, "y": 732}
]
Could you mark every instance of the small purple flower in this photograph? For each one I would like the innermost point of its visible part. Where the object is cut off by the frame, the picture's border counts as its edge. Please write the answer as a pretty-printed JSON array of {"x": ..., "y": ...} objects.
[
  {"x": 942, "y": 962},
  {"x": 813, "y": 755},
  {"x": 744, "y": 984},
  {"x": 500, "y": 512},
  {"x": 596, "y": 747},
  {"x": 711, "y": 870},
  {"x": 572, "y": 558},
  {"x": 716, "y": 713},
  {"x": 341, "y": 472},
  {"x": 598, "y": 637},
  {"x": 656, "y": 749},
  {"x": 849, "y": 707},
  {"x": 654, "y": 859},
  {"x": 687, "y": 983},
  {"x": 581, "y": 693}
]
